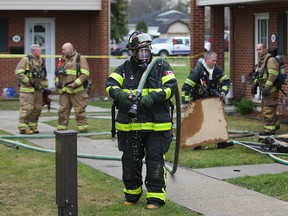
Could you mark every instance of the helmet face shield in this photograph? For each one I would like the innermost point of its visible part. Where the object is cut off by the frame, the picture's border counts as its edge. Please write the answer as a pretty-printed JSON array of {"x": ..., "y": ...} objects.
[{"x": 143, "y": 54}]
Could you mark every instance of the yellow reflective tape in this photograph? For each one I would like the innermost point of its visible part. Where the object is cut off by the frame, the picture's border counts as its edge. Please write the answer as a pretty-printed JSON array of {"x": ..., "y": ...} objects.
[
  {"x": 274, "y": 72},
  {"x": 271, "y": 127},
  {"x": 167, "y": 78},
  {"x": 85, "y": 72},
  {"x": 144, "y": 126},
  {"x": 168, "y": 93},
  {"x": 117, "y": 77},
  {"x": 268, "y": 83},
  {"x": 190, "y": 82},
  {"x": 107, "y": 89},
  {"x": 160, "y": 196},
  {"x": 225, "y": 77},
  {"x": 20, "y": 71},
  {"x": 136, "y": 191}
]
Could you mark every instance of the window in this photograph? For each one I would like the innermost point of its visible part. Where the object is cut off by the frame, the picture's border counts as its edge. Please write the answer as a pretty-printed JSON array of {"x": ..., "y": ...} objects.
[
  {"x": 3, "y": 35},
  {"x": 261, "y": 30}
]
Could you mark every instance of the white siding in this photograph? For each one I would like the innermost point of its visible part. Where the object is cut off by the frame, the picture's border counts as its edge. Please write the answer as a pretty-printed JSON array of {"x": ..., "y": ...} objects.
[
  {"x": 91, "y": 5},
  {"x": 227, "y": 2}
]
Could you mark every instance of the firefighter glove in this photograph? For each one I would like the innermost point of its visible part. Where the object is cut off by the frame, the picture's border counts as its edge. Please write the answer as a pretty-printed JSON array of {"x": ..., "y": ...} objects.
[
  {"x": 46, "y": 91},
  {"x": 254, "y": 89},
  {"x": 123, "y": 99},
  {"x": 147, "y": 101},
  {"x": 265, "y": 92}
]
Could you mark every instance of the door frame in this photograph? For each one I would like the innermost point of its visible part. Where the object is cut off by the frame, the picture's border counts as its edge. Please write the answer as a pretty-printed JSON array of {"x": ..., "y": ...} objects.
[{"x": 50, "y": 54}]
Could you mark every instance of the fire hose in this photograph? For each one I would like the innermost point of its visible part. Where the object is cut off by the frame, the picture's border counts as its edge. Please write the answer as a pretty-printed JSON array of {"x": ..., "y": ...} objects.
[{"x": 171, "y": 170}]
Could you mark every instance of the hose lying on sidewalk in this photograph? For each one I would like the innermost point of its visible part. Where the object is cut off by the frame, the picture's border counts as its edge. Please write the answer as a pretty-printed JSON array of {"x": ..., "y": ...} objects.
[
  {"x": 37, "y": 136},
  {"x": 80, "y": 155}
]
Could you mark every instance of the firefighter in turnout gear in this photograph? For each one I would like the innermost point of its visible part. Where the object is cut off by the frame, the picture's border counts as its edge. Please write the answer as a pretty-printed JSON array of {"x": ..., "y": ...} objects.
[
  {"x": 265, "y": 79},
  {"x": 149, "y": 133},
  {"x": 31, "y": 72},
  {"x": 70, "y": 78},
  {"x": 206, "y": 80}
]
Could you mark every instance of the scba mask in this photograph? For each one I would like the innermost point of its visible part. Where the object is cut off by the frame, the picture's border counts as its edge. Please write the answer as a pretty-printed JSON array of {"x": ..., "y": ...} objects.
[{"x": 143, "y": 54}]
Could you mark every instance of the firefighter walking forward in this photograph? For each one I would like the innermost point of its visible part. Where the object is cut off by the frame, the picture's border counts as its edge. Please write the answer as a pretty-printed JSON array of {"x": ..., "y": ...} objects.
[{"x": 144, "y": 124}]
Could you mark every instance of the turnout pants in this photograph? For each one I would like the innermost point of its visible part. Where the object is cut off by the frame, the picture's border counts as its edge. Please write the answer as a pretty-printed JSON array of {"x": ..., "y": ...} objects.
[
  {"x": 135, "y": 146},
  {"x": 269, "y": 108},
  {"x": 30, "y": 109},
  {"x": 79, "y": 102}
]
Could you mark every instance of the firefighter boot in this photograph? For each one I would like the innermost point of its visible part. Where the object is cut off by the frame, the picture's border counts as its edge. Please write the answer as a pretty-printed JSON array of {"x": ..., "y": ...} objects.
[
  {"x": 34, "y": 129},
  {"x": 128, "y": 203},
  {"x": 153, "y": 206},
  {"x": 26, "y": 131}
]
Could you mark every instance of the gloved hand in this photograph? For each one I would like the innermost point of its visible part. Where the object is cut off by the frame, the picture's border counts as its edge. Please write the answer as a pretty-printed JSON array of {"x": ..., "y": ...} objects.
[
  {"x": 46, "y": 91},
  {"x": 222, "y": 95},
  {"x": 123, "y": 99},
  {"x": 254, "y": 89},
  {"x": 147, "y": 101},
  {"x": 265, "y": 92}
]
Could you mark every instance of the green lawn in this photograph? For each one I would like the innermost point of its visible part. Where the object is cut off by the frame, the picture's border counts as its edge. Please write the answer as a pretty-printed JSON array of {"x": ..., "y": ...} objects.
[{"x": 32, "y": 174}]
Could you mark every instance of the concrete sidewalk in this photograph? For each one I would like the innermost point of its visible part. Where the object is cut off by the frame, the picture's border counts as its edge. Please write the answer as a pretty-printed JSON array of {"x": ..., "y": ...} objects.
[{"x": 201, "y": 190}]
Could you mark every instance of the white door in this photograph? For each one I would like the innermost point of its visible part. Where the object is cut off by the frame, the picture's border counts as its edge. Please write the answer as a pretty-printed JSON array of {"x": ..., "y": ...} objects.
[
  {"x": 42, "y": 32},
  {"x": 261, "y": 36}
]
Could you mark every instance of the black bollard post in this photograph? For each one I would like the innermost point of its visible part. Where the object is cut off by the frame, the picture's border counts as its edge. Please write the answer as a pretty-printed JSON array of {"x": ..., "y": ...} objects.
[{"x": 66, "y": 172}]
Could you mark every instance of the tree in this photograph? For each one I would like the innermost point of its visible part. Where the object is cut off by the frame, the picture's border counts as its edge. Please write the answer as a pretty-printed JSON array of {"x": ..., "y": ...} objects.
[
  {"x": 118, "y": 19},
  {"x": 141, "y": 26},
  {"x": 183, "y": 6},
  {"x": 141, "y": 7}
]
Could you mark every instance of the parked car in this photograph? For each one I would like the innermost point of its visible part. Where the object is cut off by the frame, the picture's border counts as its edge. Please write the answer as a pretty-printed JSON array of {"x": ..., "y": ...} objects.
[
  {"x": 120, "y": 50},
  {"x": 174, "y": 46}
]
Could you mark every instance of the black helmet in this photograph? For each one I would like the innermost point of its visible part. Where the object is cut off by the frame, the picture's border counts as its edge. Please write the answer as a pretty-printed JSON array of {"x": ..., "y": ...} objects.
[
  {"x": 140, "y": 44},
  {"x": 139, "y": 40}
]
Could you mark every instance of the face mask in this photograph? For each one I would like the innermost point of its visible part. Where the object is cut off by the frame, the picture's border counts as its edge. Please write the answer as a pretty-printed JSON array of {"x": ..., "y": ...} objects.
[{"x": 142, "y": 54}]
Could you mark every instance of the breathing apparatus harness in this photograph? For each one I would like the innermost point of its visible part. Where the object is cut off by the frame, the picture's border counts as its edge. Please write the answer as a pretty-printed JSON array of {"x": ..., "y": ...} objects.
[
  {"x": 132, "y": 113},
  {"x": 39, "y": 74}
]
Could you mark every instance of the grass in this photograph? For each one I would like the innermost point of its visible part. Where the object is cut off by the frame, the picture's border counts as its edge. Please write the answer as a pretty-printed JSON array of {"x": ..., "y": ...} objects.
[
  {"x": 27, "y": 179},
  {"x": 27, "y": 187}
]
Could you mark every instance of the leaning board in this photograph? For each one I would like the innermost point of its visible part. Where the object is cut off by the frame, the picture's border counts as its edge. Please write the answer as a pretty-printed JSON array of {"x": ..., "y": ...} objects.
[{"x": 204, "y": 123}]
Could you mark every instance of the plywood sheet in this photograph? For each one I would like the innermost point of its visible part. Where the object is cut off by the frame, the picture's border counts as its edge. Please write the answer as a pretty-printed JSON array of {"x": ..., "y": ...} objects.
[{"x": 204, "y": 123}]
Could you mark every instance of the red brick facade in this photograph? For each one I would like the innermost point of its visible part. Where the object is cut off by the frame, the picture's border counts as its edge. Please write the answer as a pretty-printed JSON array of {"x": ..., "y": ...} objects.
[
  {"x": 242, "y": 37},
  {"x": 88, "y": 31}
]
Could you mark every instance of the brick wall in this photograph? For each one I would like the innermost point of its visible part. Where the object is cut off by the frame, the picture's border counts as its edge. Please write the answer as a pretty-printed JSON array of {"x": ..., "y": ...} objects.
[
  {"x": 243, "y": 39},
  {"x": 197, "y": 31}
]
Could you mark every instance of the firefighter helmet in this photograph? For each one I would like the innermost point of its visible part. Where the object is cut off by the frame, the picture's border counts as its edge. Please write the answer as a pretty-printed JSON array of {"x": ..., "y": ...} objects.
[
  {"x": 139, "y": 40},
  {"x": 140, "y": 44}
]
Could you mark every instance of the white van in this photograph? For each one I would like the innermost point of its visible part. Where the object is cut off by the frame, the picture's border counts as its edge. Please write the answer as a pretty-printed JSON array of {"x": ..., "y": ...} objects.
[{"x": 174, "y": 46}]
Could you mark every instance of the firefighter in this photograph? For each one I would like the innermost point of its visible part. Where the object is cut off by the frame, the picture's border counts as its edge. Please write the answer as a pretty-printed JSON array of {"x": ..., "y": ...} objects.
[
  {"x": 149, "y": 134},
  {"x": 32, "y": 75},
  {"x": 265, "y": 79},
  {"x": 205, "y": 80},
  {"x": 70, "y": 84}
]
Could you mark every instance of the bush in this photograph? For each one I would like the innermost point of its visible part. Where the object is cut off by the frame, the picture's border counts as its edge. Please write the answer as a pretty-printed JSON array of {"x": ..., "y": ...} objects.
[{"x": 245, "y": 106}]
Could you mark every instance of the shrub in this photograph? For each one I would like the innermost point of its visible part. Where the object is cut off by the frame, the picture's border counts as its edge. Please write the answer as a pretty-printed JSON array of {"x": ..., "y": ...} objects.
[{"x": 245, "y": 106}]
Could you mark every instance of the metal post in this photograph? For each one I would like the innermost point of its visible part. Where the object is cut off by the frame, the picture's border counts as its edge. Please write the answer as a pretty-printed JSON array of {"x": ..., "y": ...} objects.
[{"x": 66, "y": 172}]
